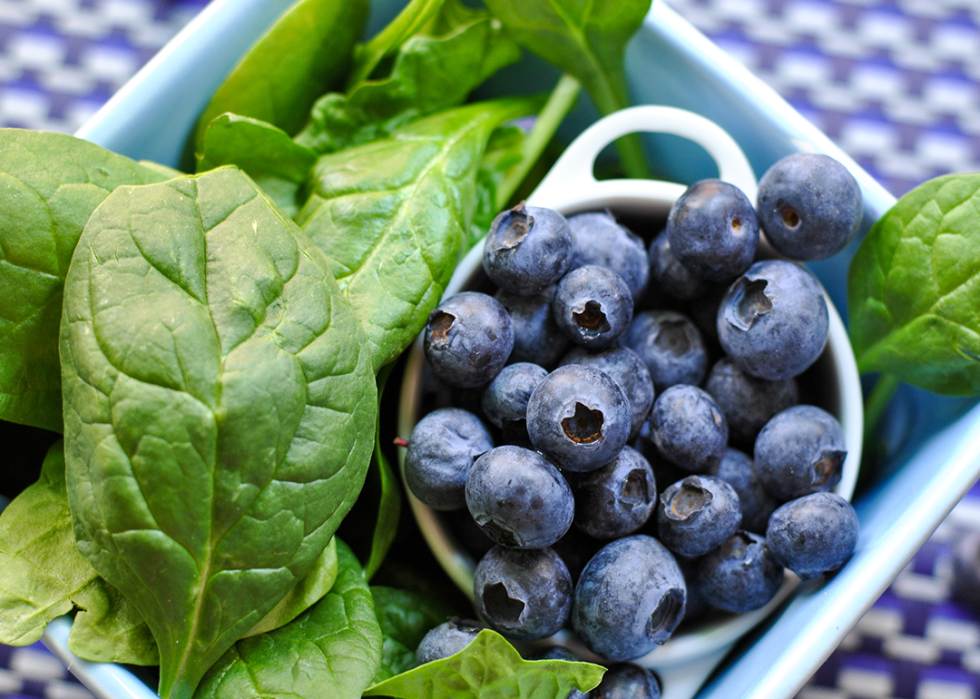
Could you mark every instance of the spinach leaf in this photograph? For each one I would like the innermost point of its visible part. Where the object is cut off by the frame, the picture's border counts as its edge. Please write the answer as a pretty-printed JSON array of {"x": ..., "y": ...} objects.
[
  {"x": 49, "y": 184},
  {"x": 588, "y": 41},
  {"x": 504, "y": 153},
  {"x": 410, "y": 21},
  {"x": 430, "y": 74},
  {"x": 220, "y": 406},
  {"x": 405, "y": 618},
  {"x": 278, "y": 164},
  {"x": 42, "y": 571},
  {"x": 332, "y": 650},
  {"x": 490, "y": 668},
  {"x": 393, "y": 216},
  {"x": 914, "y": 289},
  {"x": 109, "y": 629},
  {"x": 304, "y": 54}
]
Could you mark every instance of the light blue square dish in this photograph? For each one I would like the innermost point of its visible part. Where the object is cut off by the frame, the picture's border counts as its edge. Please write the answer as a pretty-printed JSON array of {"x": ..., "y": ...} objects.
[{"x": 934, "y": 443}]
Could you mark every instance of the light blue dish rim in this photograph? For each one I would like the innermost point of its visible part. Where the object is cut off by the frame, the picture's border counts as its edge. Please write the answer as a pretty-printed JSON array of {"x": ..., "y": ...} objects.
[{"x": 151, "y": 116}]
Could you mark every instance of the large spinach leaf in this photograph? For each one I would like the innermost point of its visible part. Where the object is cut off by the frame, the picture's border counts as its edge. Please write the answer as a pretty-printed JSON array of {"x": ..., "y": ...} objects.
[
  {"x": 405, "y": 617},
  {"x": 429, "y": 75},
  {"x": 914, "y": 289},
  {"x": 587, "y": 40},
  {"x": 275, "y": 161},
  {"x": 304, "y": 54},
  {"x": 332, "y": 650},
  {"x": 49, "y": 184},
  {"x": 393, "y": 216},
  {"x": 219, "y": 409},
  {"x": 490, "y": 668}
]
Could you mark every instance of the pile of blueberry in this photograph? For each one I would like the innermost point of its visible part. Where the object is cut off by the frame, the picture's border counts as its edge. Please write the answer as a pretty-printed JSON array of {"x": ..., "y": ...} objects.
[{"x": 625, "y": 424}]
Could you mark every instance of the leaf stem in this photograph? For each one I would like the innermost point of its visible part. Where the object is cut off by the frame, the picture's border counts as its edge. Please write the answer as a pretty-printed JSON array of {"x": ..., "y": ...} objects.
[
  {"x": 609, "y": 96},
  {"x": 877, "y": 402},
  {"x": 559, "y": 104}
]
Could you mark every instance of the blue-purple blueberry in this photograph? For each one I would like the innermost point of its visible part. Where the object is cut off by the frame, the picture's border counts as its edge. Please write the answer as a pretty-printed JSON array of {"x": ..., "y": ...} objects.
[
  {"x": 578, "y": 417},
  {"x": 627, "y": 681},
  {"x": 809, "y": 206},
  {"x": 592, "y": 306},
  {"x": 468, "y": 339},
  {"x": 629, "y": 599},
  {"x": 528, "y": 249},
  {"x": 519, "y": 498},
  {"x": 441, "y": 451},
  {"x": 688, "y": 428},
  {"x": 756, "y": 503},
  {"x": 697, "y": 514},
  {"x": 671, "y": 346},
  {"x": 446, "y": 639},
  {"x": 676, "y": 280},
  {"x": 597, "y": 239},
  {"x": 504, "y": 401},
  {"x": 740, "y": 575},
  {"x": 773, "y": 321},
  {"x": 536, "y": 335},
  {"x": 713, "y": 230},
  {"x": 524, "y": 595},
  {"x": 800, "y": 451},
  {"x": 814, "y": 534},
  {"x": 747, "y": 402},
  {"x": 625, "y": 367},
  {"x": 617, "y": 499}
]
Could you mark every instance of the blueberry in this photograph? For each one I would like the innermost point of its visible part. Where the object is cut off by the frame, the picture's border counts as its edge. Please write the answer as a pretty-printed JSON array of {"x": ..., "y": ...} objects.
[
  {"x": 468, "y": 339},
  {"x": 576, "y": 548},
  {"x": 800, "y": 451},
  {"x": 561, "y": 653},
  {"x": 528, "y": 249},
  {"x": 617, "y": 499},
  {"x": 598, "y": 240},
  {"x": 713, "y": 230},
  {"x": 809, "y": 206},
  {"x": 773, "y": 321},
  {"x": 446, "y": 639},
  {"x": 505, "y": 399},
  {"x": 697, "y": 606},
  {"x": 518, "y": 498},
  {"x": 813, "y": 534},
  {"x": 688, "y": 428},
  {"x": 697, "y": 514},
  {"x": 578, "y": 417},
  {"x": 441, "y": 451},
  {"x": 670, "y": 345},
  {"x": 629, "y": 599},
  {"x": 524, "y": 595},
  {"x": 740, "y": 575},
  {"x": 754, "y": 500},
  {"x": 747, "y": 402},
  {"x": 625, "y": 367},
  {"x": 676, "y": 280},
  {"x": 627, "y": 681},
  {"x": 536, "y": 335},
  {"x": 592, "y": 306}
]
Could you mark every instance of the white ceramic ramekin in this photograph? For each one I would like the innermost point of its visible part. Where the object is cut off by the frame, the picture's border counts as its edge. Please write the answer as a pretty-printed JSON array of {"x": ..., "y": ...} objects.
[{"x": 570, "y": 187}]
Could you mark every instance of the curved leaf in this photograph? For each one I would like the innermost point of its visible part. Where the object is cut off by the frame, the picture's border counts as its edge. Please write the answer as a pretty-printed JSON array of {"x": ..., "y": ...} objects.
[
  {"x": 491, "y": 668},
  {"x": 49, "y": 185},
  {"x": 914, "y": 289},
  {"x": 304, "y": 54},
  {"x": 276, "y": 162},
  {"x": 430, "y": 74},
  {"x": 332, "y": 650},
  {"x": 393, "y": 216},
  {"x": 219, "y": 409}
]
